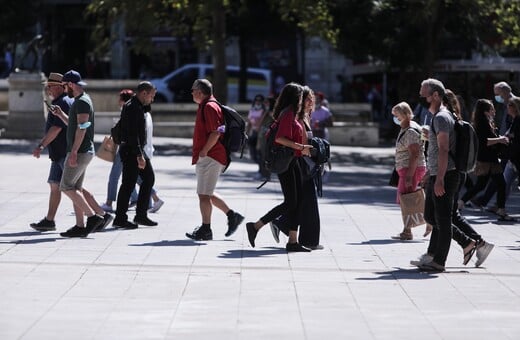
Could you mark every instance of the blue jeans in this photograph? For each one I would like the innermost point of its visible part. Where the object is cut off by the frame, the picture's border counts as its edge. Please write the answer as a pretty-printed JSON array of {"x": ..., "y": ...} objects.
[
  {"x": 113, "y": 179},
  {"x": 438, "y": 213}
]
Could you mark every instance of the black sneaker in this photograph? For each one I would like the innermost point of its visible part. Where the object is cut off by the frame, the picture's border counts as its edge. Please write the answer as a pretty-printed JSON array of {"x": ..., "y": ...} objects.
[
  {"x": 251, "y": 233},
  {"x": 107, "y": 218},
  {"x": 145, "y": 221},
  {"x": 296, "y": 247},
  {"x": 124, "y": 225},
  {"x": 233, "y": 223},
  {"x": 93, "y": 223},
  {"x": 44, "y": 225},
  {"x": 75, "y": 232},
  {"x": 200, "y": 235}
]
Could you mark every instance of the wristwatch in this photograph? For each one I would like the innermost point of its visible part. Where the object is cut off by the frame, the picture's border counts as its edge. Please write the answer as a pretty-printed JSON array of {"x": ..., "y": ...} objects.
[{"x": 40, "y": 146}]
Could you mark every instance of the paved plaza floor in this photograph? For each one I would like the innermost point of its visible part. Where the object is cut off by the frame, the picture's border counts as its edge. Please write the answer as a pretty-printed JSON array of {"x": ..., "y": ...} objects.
[{"x": 154, "y": 283}]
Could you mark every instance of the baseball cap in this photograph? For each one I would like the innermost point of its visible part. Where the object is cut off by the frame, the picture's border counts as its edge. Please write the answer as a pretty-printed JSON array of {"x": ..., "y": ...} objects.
[
  {"x": 73, "y": 77},
  {"x": 54, "y": 79}
]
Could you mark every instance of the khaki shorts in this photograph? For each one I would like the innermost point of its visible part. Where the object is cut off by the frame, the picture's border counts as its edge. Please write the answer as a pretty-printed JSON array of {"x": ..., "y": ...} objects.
[
  {"x": 487, "y": 168},
  {"x": 208, "y": 171},
  {"x": 72, "y": 178}
]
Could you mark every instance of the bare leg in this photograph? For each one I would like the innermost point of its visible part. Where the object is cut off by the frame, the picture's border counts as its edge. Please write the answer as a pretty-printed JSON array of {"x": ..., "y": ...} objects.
[
  {"x": 91, "y": 201},
  {"x": 79, "y": 216},
  {"x": 218, "y": 202},
  {"x": 54, "y": 201},
  {"x": 205, "y": 208},
  {"x": 79, "y": 201}
]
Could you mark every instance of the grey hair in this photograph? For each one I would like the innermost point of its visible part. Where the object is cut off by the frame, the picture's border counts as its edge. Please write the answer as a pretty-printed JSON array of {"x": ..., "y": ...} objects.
[
  {"x": 503, "y": 85},
  {"x": 204, "y": 86},
  {"x": 435, "y": 85}
]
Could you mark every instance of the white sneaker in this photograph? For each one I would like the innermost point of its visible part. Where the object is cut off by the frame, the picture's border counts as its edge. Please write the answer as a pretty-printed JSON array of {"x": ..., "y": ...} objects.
[
  {"x": 483, "y": 250},
  {"x": 156, "y": 206},
  {"x": 423, "y": 259},
  {"x": 106, "y": 208}
]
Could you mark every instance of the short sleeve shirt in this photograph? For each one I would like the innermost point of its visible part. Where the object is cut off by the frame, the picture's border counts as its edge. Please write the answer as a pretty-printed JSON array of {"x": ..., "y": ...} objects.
[
  {"x": 204, "y": 126},
  {"x": 82, "y": 104},
  {"x": 291, "y": 129},
  {"x": 407, "y": 137},
  {"x": 254, "y": 117},
  {"x": 441, "y": 122},
  {"x": 58, "y": 147}
]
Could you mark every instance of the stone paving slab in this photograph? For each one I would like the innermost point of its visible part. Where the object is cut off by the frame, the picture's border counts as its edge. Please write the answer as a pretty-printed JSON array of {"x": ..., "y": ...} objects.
[{"x": 153, "y": 283}]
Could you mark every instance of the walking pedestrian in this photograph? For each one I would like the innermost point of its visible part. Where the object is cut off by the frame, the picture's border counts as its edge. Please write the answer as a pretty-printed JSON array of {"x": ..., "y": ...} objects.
[
  {"x": 55, "y": 140},
  {"x": 290, "y": 134},
  {"x": 210, "y": 159}
]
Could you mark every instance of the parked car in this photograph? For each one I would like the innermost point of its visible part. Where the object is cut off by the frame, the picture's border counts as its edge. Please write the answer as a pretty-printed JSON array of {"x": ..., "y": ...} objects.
[{"x": 176, "y": 86}]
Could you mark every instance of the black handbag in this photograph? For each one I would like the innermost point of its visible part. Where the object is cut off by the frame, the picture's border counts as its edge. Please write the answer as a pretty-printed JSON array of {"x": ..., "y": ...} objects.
[
  {"x": 279, "y": 159},
  {"x": 394, "y": 179}
]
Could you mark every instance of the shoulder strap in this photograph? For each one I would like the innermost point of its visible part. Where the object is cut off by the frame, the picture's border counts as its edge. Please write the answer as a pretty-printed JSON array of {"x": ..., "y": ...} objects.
[{"x": 408, "y": 128}]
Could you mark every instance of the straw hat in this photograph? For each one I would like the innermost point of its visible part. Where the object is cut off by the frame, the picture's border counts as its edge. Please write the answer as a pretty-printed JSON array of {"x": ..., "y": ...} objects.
[{"x": 54, "y": 79}]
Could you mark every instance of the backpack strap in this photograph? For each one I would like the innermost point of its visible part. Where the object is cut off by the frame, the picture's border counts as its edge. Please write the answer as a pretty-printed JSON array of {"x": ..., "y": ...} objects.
[{"x": 456, "y": 119}]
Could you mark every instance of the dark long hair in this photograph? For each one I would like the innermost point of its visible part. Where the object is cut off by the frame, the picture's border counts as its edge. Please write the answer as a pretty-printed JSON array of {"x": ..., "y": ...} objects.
[
  {"x": 289, "y": 97},
  {"x": 479, "y": 119}
]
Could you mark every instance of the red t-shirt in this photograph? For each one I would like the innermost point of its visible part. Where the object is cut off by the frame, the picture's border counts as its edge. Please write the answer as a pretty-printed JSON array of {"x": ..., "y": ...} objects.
[
  {"x": 213, "y": 118},
  {"x": 291, "y": 129}
]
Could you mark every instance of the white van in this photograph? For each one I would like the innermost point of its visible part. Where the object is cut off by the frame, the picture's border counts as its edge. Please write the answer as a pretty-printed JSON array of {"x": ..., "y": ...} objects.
[{"x": 176, "y": 86}]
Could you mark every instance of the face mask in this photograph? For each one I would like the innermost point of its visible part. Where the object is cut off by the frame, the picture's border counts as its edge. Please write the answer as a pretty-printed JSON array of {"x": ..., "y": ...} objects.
[
  {"x": 424, "y": 103},
  {"x": 397, "y": 121},
  {"x": 499, "y": 99},
  {"x": 258, "y": 106}
]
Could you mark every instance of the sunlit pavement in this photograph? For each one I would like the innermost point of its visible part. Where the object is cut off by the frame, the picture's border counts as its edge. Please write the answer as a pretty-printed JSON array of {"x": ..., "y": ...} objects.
[{"x": 154, "y": 283}]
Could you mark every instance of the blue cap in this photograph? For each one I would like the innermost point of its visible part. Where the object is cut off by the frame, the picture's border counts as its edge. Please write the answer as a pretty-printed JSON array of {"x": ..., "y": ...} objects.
[{"x": 73, "y": 77}]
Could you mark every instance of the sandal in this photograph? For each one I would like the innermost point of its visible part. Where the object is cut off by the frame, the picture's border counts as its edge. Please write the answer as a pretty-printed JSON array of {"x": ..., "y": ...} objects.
[
  {"x": 403, "y": 237},
  {"x": 468, "y": 255},
  {"x": 506, "y": 218},
  {"x": 428, "y": 230}
]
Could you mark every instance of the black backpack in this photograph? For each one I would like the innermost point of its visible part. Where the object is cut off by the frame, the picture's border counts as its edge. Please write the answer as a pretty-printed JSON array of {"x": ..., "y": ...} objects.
[
  {"x": 235, "y": 137},
  {"x": 466, "y": 146}
]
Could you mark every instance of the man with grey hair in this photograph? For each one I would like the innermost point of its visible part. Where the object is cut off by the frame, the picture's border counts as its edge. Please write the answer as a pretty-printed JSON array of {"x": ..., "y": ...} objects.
[
  {"x": 443, "y": 176},
  {"x": 210, "y": 159}
]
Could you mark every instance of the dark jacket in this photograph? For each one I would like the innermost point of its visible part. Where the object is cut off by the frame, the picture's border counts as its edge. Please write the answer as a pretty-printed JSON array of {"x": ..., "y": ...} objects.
[{"x": 133, "y": 129}]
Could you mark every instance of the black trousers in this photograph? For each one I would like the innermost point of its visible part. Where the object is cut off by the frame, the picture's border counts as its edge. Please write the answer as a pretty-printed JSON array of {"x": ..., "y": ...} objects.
[
  {"x": 308, "y": 215},
  {"x": 438, "y": 212},
  {"x": 291, "y": 183},
  {"x": 130, "y": 173}
]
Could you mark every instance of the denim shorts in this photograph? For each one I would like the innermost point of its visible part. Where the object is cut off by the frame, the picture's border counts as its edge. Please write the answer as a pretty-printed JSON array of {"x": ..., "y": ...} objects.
[
  {"x": 208, "y": 171},
  {"x": 56, "y": 171},
  {"x": 72, "y": 178}
]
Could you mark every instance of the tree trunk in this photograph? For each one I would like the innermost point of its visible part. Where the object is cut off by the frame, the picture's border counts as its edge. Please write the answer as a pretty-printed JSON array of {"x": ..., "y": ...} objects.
[{"x": 219, "y": 51}]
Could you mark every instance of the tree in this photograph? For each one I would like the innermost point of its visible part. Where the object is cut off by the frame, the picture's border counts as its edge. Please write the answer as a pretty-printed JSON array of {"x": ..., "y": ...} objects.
[
  {"x": 202, "y": 21},
  {"x": 410, "y": 36}
]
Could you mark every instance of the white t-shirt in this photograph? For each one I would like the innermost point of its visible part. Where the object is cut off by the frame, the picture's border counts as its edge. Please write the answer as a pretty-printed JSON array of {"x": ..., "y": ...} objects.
[{"x": 148, "y": 148}]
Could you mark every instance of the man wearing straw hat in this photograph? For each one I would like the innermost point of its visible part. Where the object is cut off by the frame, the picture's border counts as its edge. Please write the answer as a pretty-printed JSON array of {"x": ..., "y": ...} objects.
[{"x": 55, "y": 140}]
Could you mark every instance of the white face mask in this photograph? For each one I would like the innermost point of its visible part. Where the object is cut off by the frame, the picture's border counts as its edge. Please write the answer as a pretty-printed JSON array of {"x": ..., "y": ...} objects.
[{"x": 397, "y": 121}]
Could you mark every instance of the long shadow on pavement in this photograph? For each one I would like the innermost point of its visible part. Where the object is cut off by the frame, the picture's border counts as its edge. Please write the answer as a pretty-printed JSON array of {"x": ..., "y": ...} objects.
[
  {"x": 243, "y": 253},
  {"x": 400, "y": 274},
  {"x": 169, "y": 243}
]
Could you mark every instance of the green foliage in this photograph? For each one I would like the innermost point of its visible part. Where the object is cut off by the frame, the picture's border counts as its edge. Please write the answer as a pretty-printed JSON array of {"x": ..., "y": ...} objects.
[{"x": 16, "y": 17}]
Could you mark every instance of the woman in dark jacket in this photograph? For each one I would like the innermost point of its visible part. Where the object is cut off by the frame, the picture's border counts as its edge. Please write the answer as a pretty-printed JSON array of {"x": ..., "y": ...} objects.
[{"x": 488, "y": 166}]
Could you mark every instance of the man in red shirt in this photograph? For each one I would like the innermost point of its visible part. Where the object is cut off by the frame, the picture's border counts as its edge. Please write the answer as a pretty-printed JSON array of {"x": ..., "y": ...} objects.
[{"x": 210, "y": 159}]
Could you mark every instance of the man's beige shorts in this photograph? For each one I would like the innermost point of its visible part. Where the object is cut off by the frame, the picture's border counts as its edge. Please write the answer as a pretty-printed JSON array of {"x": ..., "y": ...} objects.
[
  {"x": 72, "y": 178},
  {"x": 208, "y": 171}
]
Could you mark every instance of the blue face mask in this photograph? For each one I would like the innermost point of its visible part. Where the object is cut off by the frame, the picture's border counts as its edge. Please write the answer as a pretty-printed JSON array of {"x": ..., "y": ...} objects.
[
  {"x": 499, "y": 99},
  {"x": 397, "y": 121}
]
